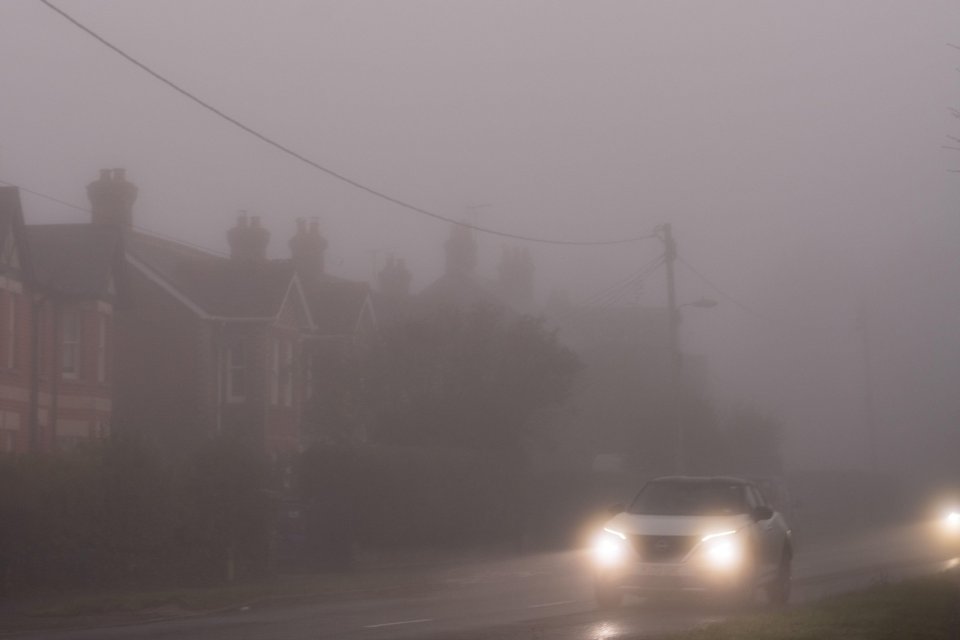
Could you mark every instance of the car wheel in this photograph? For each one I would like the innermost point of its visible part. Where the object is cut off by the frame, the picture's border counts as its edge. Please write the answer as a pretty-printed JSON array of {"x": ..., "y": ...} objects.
[
  {"x": 778, "y": 591},
  {"x": 607, "y": 596}
]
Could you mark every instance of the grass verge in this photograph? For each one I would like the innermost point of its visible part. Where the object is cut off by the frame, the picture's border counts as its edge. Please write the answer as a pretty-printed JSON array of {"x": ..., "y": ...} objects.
[{"x": 925, "y": 608}]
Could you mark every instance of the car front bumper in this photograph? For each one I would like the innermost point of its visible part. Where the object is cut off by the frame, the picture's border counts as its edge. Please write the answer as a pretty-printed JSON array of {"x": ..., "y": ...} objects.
[{"x": 640, "y": 577}]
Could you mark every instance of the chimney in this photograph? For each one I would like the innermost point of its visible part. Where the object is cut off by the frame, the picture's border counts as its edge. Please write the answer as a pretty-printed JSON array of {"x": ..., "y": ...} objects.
[
  {"x": 248, "y": 240},
  {"x": 308, "y": 249},
  {"x": 111, "y": 198}
]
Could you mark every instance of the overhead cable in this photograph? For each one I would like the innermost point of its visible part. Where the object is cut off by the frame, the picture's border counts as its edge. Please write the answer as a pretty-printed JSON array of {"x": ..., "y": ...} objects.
[
  {"x": 78, "y": 207},
  {"x": 316, "y": 165}
]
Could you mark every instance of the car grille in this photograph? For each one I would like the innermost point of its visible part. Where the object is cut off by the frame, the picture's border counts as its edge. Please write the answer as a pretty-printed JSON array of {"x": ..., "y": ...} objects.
[{"x": 663, "y": 548}]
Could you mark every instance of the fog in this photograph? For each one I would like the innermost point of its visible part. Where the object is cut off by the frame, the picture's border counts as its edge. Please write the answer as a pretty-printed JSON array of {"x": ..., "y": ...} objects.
[{"x": 796, "y": 148}]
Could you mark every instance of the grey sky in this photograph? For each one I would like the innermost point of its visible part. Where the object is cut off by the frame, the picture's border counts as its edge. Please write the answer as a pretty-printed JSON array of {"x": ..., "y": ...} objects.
[{"x": 795, "y": 147}]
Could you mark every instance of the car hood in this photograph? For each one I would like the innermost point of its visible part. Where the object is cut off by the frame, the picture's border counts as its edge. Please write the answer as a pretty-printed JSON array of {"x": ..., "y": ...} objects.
[{"x": 632, "y": 523}]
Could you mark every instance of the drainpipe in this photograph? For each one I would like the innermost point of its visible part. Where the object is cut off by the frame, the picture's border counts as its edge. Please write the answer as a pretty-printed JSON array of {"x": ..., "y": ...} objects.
[{"x": 53, "y": 418}]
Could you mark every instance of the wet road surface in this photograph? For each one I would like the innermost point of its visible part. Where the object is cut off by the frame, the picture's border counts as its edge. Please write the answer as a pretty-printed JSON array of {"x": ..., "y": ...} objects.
[{"x": 542, "y": 596}]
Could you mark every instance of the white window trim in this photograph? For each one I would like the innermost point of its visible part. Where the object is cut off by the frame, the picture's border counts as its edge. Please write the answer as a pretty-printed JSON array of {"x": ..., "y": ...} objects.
[
  {"x": 102, "y": 349},
  {"x": 287, "y": 372},
  {"x": 273, "y": 362},
  {"x": 307, "y": 375},
  {"x": 9, "y": 427},
  {"x": 70, "y": 345},
  {"x": 10, "y": 331},
  {"x": 231, "y": 368}
]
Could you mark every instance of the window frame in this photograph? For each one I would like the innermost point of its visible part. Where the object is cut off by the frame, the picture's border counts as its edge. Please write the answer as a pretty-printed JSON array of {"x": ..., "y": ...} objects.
[
  {"x": 103, "y": 369},
  {"x": 71, "y": 346},
  {"x": 236, "y": 371}
]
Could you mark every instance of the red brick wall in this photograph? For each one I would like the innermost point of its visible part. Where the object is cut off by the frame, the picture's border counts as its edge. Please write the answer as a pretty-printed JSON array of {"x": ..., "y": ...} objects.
[{"x": 82, "y": 405}]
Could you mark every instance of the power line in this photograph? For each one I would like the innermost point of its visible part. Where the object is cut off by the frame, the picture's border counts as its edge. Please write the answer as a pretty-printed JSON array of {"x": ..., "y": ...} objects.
[
  {"x": 294, "y": 154},
  {"x": 146, "y": 231},
  {"x": 613, "y": 291},
  {"x": 608, "y": 296},
  {"x": 43, "y": 195},
  {"x": 717, "y": 288}
]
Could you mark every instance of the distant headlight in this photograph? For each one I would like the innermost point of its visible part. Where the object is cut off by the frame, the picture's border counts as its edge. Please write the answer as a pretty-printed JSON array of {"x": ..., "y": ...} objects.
[
  {"x": 951, "y": 521},
  {"x": 609, "y": 548},
  {"x": 722, "y": 550}
]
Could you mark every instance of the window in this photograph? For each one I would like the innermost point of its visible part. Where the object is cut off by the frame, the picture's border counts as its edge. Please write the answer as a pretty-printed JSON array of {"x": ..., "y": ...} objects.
[
  {"x": 9, "y": 426},
  {"x": 286, "y": 373},
  {"x": 41, "y": 328},
  {"x": 102, "y": 350},
  {"x": 690, "y": 497},
  {"x": 71, "y": 433},
  {"x": 70, "y": 344},
  {"x": 10, "y": 331},
  {"x": 236, "y": 373},
  {"x": 101, "y": 428},
  {"x": 273, "y": 373},
  {"x": 308, "y": 377}
]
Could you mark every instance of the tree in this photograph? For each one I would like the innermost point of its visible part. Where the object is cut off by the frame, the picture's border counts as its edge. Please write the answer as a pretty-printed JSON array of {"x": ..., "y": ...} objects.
[{"x": 474, "y": 379}]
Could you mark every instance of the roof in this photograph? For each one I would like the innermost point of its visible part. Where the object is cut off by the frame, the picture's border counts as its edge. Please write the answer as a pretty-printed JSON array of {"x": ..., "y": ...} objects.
[
  {"x": 223, "y": 288},
  {"x": 74, "y": 259},
  {"x": 215, "y": 284},
  {"x": 336, "y": 304}
]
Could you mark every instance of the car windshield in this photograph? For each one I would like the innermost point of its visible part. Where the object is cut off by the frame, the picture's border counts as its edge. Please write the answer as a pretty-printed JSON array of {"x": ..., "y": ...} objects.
[{"x": 690, "y": 499}]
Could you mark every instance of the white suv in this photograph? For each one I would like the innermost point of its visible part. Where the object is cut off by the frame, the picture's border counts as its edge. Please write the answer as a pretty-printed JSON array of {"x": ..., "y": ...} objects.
[{"x": 708, "y": 534}]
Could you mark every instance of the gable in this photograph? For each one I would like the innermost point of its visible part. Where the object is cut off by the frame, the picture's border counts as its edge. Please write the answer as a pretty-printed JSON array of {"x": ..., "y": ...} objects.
[
  {"x": 367, "y": 322},
  {"x": 294, "y": 312},
  {"x": 9, "y": 253}
]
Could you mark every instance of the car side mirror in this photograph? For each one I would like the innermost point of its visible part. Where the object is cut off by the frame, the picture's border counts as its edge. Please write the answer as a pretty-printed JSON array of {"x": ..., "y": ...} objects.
[
  {"x": 761, "y": 513},
  {"x": 616, "y": 509}
]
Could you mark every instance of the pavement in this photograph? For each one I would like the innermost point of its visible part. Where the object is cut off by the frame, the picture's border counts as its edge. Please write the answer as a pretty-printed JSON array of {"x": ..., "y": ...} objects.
[{"x": 531, "y": 597}]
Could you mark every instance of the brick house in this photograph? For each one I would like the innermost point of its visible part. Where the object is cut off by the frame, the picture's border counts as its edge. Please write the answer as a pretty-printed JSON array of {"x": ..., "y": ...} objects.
[
  {"x": 195, "y": 345},
  {"x": 59, "y": 289},
  {"x": 212, "y": 344}
]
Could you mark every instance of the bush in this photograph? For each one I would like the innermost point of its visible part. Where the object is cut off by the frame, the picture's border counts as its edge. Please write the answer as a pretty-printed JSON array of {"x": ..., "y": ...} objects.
[
  {"x": 395, "y": 497},
  {"x": 112, "y": 514}
]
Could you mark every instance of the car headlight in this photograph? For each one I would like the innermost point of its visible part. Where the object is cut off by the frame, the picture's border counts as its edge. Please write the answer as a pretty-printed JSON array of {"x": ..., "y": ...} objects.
[
  {"x": 722, "y": 550},
  {"x": 609, "y": 548}
]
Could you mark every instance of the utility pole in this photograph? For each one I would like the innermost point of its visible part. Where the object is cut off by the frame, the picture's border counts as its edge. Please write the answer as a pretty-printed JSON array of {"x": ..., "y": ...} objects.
[{"x": 673, "y": 321}]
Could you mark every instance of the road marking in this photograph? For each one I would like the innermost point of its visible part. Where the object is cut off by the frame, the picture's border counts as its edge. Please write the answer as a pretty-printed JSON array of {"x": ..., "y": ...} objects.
[
  {"x": 393, "y": 624},
  {"x": 550, "y": 604}
]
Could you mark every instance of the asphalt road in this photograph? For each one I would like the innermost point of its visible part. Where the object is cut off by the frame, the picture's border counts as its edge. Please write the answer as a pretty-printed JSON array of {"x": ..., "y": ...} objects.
[{"x": 542, "y": 596}]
